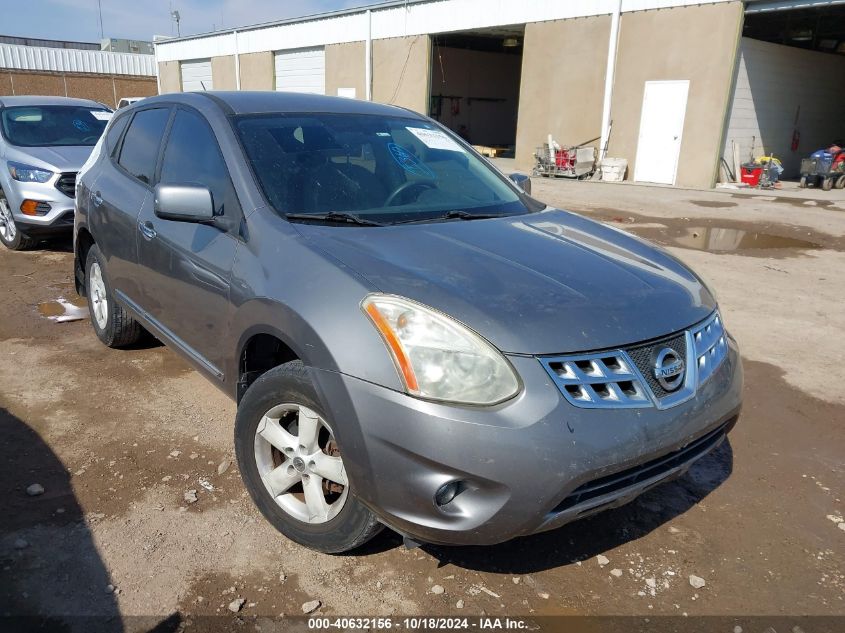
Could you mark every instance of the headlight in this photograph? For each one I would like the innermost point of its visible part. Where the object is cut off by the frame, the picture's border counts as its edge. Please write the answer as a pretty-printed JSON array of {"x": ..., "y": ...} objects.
[
  {"x": 437, "y": 357},
  {"x": 28, "y": 173}
]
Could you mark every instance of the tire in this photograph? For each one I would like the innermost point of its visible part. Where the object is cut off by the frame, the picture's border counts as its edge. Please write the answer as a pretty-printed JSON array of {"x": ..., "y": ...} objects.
[
  {"x": 827, "y": 183},
  {"x": 112, "y": 323},
  {"x": 840, "y": 182},
  {"x": 803, "y": 182},
  {"x": 10, "y": 235},
  {"x": 287, "y": 393}
]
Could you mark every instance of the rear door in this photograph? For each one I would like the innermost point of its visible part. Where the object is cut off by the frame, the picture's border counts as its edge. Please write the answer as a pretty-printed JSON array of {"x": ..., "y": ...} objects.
[
  {"x": 186, "y": 266},
  {"x": 122, "y": 189}
]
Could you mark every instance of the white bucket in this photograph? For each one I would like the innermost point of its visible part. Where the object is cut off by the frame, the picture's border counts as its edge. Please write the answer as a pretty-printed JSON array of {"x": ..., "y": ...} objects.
[{"x": 613, "y": 169}]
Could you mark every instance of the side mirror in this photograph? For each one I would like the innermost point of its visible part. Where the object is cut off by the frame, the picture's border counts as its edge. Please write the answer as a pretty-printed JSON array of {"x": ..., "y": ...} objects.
[
  {"x": 186, "y": 203},
  {"x": 522, "y": 181}
]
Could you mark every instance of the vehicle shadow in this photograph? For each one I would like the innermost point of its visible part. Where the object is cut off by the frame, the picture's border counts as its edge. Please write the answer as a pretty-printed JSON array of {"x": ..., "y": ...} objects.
[
  {"x": 589, "y": 537},
  {"x": 51, "y": 574}
]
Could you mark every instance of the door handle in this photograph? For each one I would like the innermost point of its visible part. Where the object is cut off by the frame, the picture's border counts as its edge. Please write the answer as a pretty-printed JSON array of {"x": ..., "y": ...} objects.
[
  {"x": 96, "y": 198},
  {"x": 147, "y": 230}
]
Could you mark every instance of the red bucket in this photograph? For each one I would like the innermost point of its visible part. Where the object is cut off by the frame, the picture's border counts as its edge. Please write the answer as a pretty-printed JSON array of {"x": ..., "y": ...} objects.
[{"x": 750, "y": 175}]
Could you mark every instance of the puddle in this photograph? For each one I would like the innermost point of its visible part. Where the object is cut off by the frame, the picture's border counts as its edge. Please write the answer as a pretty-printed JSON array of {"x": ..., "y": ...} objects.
[
  {"x": 713, "y": 204},
  {"x": 723, "y": 240},
  {"x": 62, "y": 311}
]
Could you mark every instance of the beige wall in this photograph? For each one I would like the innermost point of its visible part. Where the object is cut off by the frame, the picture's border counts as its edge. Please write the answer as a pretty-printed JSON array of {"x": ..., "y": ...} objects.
[
  {"x": 106, "y": 89},
  {"x": 346, "y": 68},
  {"x": 698, "y": 43},
  {"x": 257, "y": 71},
  {"x": 223, "y": 72},
  {"x": 170, "y": 77},
  {"x": 391, "y": 85},
  {"x": 562, "y": 90}
]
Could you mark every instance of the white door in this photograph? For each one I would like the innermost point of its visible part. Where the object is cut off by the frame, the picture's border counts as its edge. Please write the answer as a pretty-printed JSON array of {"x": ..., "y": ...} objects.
[
  {"x": 301, "y": 70},
  {"x": 196, "y": 75},
  {"x": 661, "y": 129}
]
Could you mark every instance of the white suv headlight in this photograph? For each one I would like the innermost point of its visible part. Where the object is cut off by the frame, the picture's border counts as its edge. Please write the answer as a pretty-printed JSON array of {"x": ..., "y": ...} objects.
[
  {"x": 437, "y": 357},
  {"x": 28, "y": 173}
]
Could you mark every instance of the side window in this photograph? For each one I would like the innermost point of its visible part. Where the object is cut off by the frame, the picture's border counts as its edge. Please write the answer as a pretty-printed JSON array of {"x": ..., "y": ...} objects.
[
  {"x": 192, "y": 157},
  {"x": 139, "y": 151},
  {"x": 115, "y": 130}
]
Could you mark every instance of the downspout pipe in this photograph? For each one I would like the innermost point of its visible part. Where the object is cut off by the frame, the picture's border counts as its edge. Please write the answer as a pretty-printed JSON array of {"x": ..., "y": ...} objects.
[
  {"x": 237, "y": 62},
  {"x": 368, "y": 57},
  {"x": 609, "y": 77}
]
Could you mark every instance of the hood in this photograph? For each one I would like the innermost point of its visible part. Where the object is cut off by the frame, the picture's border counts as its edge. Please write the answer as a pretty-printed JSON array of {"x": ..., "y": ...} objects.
[
  {"x": 543, "y": 283},
  {"x": 58, "y": 159}
]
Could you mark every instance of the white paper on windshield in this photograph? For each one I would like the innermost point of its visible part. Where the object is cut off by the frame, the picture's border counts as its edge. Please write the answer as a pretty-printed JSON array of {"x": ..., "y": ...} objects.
[
  {"x": 101, "y": 115},
  {"x": 435, "y": 139}
]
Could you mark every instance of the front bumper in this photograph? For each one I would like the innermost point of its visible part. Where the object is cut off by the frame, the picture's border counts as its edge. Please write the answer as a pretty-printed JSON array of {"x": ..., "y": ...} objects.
[
  {"x": 59, "y": 219},
  {"x": 528, "y": 465}
]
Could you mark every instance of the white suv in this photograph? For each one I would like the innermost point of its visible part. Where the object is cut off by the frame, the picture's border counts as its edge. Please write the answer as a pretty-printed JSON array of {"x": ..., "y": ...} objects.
[{"x": 44, "y": 141}]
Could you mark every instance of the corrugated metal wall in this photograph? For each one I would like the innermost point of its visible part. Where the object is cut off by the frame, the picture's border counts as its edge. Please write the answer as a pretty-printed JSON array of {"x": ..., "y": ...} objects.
[{"x": 18, "y": 57}]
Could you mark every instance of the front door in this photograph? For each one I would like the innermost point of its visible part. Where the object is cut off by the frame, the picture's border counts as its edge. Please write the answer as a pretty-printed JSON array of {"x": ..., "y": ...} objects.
[
  {"x": 661, "y": 130},
  {"x": 186, "y": 266}
]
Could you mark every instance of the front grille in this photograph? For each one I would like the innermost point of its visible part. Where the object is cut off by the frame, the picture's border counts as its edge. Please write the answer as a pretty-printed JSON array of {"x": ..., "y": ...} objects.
[
  {"x": 625, "y": 378},
  {"x": 711, "y": 348},
  {"x": 644, "y": 356},
  {"x": 654, "y": 469},
  {"x": 66, "y": 183},
  {"x": 597, "y": 381}
]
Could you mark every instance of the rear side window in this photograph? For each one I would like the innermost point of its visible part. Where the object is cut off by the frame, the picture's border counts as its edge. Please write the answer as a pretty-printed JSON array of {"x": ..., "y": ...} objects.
[
  {"x": 140, "y": 145},
  {"x": 114, "y": 132},
  {"x": 192, "y": 157}
]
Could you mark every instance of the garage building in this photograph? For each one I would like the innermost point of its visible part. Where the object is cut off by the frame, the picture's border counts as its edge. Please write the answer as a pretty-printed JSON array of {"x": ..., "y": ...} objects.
[{"x": 675, "y": 87}]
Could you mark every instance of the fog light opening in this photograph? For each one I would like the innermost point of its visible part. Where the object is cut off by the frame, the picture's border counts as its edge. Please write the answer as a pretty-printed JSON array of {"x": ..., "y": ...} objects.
[
  {"x": 447, "y": 493},
  {"x": 34, "y": 207}
]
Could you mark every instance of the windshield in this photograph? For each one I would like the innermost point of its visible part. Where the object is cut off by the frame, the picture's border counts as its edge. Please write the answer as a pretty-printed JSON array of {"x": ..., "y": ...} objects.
[
  {"x": 52, "y": 126},
  {"x": 380, "y": 169}
]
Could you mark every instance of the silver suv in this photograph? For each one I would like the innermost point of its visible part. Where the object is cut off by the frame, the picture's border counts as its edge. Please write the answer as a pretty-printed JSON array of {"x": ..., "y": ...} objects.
[
  {"x": 44, "y": 141},
  {"x": 412, "y": 340}
]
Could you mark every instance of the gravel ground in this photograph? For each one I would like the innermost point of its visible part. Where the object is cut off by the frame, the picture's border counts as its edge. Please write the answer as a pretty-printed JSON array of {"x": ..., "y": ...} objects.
[{"x": 142, "y": 512}]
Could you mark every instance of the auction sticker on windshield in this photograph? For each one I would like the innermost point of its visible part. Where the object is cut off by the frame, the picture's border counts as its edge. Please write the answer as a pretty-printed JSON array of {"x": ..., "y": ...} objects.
[
  {"x": 101, "y": 115},
  {"x": 435, "y": 139}
]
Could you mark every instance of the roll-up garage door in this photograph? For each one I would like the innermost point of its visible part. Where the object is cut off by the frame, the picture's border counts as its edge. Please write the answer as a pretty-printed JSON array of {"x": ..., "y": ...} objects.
[
  {"x": 301, "y": 70},
  {"x": 196, "y": 75}
]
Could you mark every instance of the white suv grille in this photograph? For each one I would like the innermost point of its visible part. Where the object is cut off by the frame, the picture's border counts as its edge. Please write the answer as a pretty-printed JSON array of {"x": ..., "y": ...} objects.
[{"x": 618, "y": 379}]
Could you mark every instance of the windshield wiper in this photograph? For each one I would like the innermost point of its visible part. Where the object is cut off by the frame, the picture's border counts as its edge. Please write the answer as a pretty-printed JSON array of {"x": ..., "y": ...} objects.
[
  {"x": 334, "y": 216},
  {"x": 455, "y": 214}
]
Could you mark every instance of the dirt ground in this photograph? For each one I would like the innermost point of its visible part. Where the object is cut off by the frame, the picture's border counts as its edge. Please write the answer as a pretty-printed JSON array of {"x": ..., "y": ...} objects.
[{"x": 117, "y": 439}]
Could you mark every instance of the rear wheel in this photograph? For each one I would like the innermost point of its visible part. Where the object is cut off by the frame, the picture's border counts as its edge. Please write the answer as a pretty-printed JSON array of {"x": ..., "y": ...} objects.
[
  {"x": 840, "y": 182},
  {"x": 292, "y": 465},
  {"x": 11, "y": 237},
  {"x": 827, "y": 183},
  {"x": 112, "y": 323},
  {"x": 803, "y": 182}
]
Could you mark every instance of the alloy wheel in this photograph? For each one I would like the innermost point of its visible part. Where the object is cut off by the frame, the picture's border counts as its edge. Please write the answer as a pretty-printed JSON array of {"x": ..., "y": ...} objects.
[
  {"x": 299, "y": 462},
  {"x": 8, "y": 230},
  {"x": 97, "y": 295}
]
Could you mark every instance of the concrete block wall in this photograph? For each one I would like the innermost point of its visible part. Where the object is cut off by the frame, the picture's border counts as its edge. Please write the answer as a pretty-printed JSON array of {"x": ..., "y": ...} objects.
[{"x": 775, "y": 83}]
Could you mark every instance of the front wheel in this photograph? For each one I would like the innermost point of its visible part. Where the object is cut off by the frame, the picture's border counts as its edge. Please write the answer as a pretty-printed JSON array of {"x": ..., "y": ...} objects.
[
  {"x": 10, "y": 235},
  {"x": 292, "y": 466},
  {"x": 803, "y": 182},
  {"x": 827, "y": 183}
]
